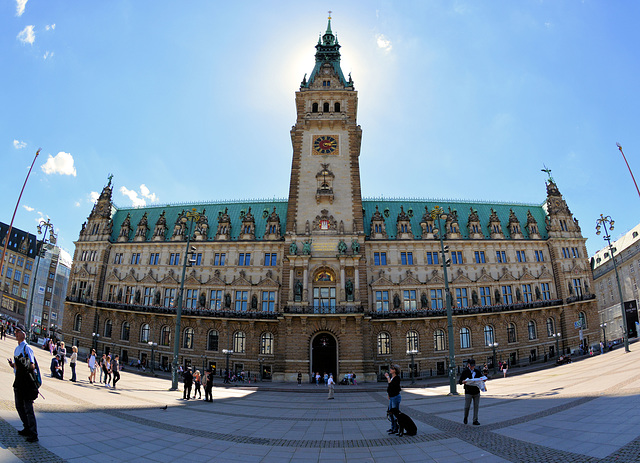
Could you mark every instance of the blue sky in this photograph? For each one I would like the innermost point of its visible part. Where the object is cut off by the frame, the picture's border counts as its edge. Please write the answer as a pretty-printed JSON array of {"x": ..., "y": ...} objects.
[{"x": 193, "y": 101}]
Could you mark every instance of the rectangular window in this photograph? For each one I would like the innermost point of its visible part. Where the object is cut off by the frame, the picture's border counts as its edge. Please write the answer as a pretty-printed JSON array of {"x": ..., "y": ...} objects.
[
  {"x": 192, "y": 299},
  {"x": 527, "y": 295},
  {"x": 270, "y": 259},
  {"x": 485, "y": 295},
  {"x": 511, "y": 333},
  {"x": 135, "y": 258},
  {"x": 479, "y": 255},
  {"x": 241, "y": 301},
  {"x": 501, "y": 257},
  {"x": 456, "y": 257},
  {"x": 174, "y": 258},
  {"x": 9, "y": 273},
  {"x": 461, "y": 297},
  {"x": 382, "y": 301},
  {"x": 52, "y": 276},
  {"x": 379, "y": 258},
  {"x": 20, "y": 261},
  {"x": 154, "y": 258},
  {"x": 244, "y": 259},
  {"x": 15, "y": 290},
  {"x": 575, "y": 252},
  {"x": 25, "y": 279},
  {"x": 12, "y": 257},
  {"x": 432, "y": 258},
  {"x": 18, "y": 275},
  {"x": 406, "y": 258},
  {"x": 268, "y": 301},
  {"x": 577, "y": 286},
  {"x": 521, "y": 256},
  {"x": 49, "y": 289},
  {"x": 28, "y": 265},
  {"x": 24, "y": 293},
  {"x": 169, "y": 297},
  {"x": 118, "y": 258},
  {"x": 148, "y": 296},
  {"x": 215, "y": 299},
  {"x": 565, "y": 253},
  {"x": 507, "y": 296},
  {"x": 410, "y": 302},
  {"x": 436, "y": 299},
  {"x": 129, "y": 294},
  {"x": 539, "y": 256},
  {"x": 218, "y": 259},
  {"x": 111, "y": 294}
]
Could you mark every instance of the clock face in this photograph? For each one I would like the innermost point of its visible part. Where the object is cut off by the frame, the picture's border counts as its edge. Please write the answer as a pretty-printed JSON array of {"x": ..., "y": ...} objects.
[{"x": 325, "y": 144}]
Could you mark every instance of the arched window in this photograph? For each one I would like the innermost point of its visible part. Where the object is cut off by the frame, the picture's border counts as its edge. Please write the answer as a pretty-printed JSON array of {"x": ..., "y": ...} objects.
[
  {"x": 266, "y": 343},
  {"x": 465, "y": 338},
  {"x": 165, "y": 335},
  {"x": 583, "y": 320},
  {"x": 239, "y": 339},
  {"x": 314, "y": 108},
  {"x": 187, "y": 338},
  {"x": 325, "y": 107},
  {"x": 108, "y": 325},
  {"x": 412, "y": 340},
  {"x": 336, "y": 107},
  {"x": 488, "y": 335},
  {"x": 77, "y": 323},
  {"x": 511, "y": 332},
  {"x": 384, "y": 343},
  {"x": 124, "y": 332},
  {"x": 144, "y": 333},
  {"x": 533, "y": 333},
  {"x": 551, "y": 327},
  {"x": 438, "y": 340},
  {"x": 212, "y": 340}
]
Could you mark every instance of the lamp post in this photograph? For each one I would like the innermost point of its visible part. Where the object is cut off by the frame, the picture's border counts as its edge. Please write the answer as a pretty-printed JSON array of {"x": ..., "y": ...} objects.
[
  {"x": 437, "y": 213},
  {"x": 95, "y": 337},
  {"x": 204, "y": 362},
  {"x": 412, "y": 353},
  {"x": 494, "y": 345},
  {"x": 261, "y": 361},
  {"x": 189, "y": 216},
  {"x": 604, "y": 336},
  {"x": 557, "y": 338},
  {"x": 54, "y": 329},
  {"x": 603, "y": 222},
  {"x": 47, "y": 226},
  {"x": 227, "y": 352},
  {"x": 153, "y": 345}
]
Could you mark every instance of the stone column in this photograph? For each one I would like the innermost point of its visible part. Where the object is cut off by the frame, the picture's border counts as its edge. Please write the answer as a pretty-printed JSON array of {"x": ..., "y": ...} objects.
[{"x": 305, "y": 284}]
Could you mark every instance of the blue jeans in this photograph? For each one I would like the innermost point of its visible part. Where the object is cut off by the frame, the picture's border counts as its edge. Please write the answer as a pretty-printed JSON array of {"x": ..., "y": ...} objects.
[{"x": 394, "y": 402}]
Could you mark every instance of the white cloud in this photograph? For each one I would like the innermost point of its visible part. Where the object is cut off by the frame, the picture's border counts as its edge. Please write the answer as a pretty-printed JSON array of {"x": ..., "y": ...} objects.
[
  {"x": 133, "y": 196},
  {"x": 147, "y": 194},
  {"x": 93, "y": 197},
  {"x": 20, "y": 4},
  {"x": 30, "y": 209},
  {"x": 48, "y": 54},
  {"x": 27, "y": 35},
  {"x": 77, "y": 204},
  {"x": 17, "y": 144},
  {"x": 50, "y": 27},
  {"x": 383, "y": 43},
  {"x": 61, "y": 164}
]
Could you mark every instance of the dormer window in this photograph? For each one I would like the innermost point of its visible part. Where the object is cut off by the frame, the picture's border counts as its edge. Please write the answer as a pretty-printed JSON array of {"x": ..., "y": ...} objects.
[{"x": 336, "y": 108}]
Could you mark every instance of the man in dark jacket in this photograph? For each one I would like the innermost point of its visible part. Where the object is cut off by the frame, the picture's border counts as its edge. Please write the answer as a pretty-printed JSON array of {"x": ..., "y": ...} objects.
[
  {"x": 470, "y": 392},
  {"x": 188, "y": 382}
]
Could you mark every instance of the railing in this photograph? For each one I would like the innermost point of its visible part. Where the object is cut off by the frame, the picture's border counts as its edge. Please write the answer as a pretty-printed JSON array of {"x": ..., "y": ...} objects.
[
  {"x": 428, "y": 313},
  {"x": 313, "y": 309},
  {"x": 187, "y": 311},
  {"x": 581, "y": 297},
  {"x": 79, "y": 300}
]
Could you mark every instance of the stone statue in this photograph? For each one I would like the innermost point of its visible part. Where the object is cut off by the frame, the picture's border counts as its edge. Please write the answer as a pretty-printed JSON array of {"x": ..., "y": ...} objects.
[
  {"x": 349, "y": 289},
  {"x": 298, "y": 291},
  {"x": 254, "y": 302},
  {"x": 396, "y": 302},
  {"x": 227, "y": 301},
  {"x": 306, "y": 248},
  {"x": 355, "y": 246},
  {"x": 202, "y": 300},
  {"x": 293, "y": 248},
  {"x": 342, "y": 247},
  {"x": 424, "y": 302}
]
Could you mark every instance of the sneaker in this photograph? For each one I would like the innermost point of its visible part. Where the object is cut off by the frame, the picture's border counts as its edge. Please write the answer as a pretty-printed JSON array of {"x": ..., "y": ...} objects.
[
  {"x": 476, "y": 423},
  {"x": 24, "y": 432},
  {"x": 465, "y": 421},
  {"x": 32, "y": 438}
]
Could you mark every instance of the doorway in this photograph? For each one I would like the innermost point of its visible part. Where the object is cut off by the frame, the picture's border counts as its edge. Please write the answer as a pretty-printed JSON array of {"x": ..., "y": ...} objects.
[{"x": 324, "y": 357}]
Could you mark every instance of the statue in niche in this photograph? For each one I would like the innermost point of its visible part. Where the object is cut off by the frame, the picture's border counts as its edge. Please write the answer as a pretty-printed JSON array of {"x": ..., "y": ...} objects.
[
  {"x": 349, "y": 289},
  {"x": 396, "y": 302},
  {"x": 341, "y": 227},
  {"x": 297, "y": 291},
  {"x": 424, "y": 302},
  {"x": 293, "y": 248},
  {"x": 474, "y": 298},
  {"x": 306, "y": 247},
  {"x": 156, "y": 298},
  {"x": 119, "y": 296},
  {"x": 307, "y": 228},
  {"x": 227, "y": 301},
  {"x": 355, "y": 246},
  {"x": 342, "y": 247},
  {"x": 538, "y": 293},
  {"x": 202, "y": 300},
  {"x": 254, "y": 302},
  {"x": 202, "y": 227},
  {"x": 137, "y": 296}
]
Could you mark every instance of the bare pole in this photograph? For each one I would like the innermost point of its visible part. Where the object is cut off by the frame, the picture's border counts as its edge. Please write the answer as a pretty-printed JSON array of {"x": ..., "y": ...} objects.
[
  {"x": 625, "y": 161},
  {"x": 6, "y": 241}
]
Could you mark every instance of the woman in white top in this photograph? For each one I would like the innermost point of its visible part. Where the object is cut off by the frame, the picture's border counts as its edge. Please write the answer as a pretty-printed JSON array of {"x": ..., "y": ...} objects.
[
  {"x": 330, "y": 384},
  {"x": 72, "y": 363},
  {"x": 92, "y": 366}
]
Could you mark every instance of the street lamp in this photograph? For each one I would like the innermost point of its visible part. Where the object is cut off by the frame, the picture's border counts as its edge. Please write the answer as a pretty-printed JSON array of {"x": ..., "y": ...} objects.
[
  {"x": 153, "y": 345},
  {"x": 190, "y": 216},
  {"x": 95, "y": 337},
  {"x": 557, "y": 338},
  {"x": 47, "y": 226},
  {"x": 603, "y": 222},
  {"x": 604, "y": 335},
  {"x": 437, "y": 213},
  {"x": 494, "y": 345},
  {"x": 54, "y": 329},
  {"x": 412, "y": 353},
  {"x": 227, "y": 352},
  {"x": 204, "y": 362}
]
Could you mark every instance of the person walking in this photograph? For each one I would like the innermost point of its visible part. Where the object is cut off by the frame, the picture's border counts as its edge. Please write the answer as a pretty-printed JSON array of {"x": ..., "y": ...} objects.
[
  {"x": 91, "y": 361},
  {"x": 197, "y": 381},
  {"x": 72, "y": 363},
  {"x": 115, "y": 370},
  {"x": 505, "y": 367},
  {"x": 299, "y": 379},
  {"x": 393, "y": 392},
  {"x": 208, "y": 385},
  {"x": 22, "y": 392},
  {"x": 471, "y": 392},
  {"x": 188, "y": 382},
  {"x": 330, "y": 384},
  {"x": 317, "y": 378}
]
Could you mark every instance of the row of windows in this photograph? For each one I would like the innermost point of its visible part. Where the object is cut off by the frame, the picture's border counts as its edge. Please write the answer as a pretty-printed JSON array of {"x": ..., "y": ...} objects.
[
  {"x": 439, "y": 338},
  {"x": 325, "y": 106},
  {"x": 239, "y": 337},
  {"x": 17, "y": 275},
  {"x": 433, "y": 258},
  {"x": 483, "y": 297},
  {"x": 219, "y": 259},
  {"x": 568, "y": 253}
]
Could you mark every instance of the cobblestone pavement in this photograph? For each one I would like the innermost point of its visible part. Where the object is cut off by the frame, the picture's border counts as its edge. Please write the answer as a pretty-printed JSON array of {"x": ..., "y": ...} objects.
[{"x": 582, "y": 412}]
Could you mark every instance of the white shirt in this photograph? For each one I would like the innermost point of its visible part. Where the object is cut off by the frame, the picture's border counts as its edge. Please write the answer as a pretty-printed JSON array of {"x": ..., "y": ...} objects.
[{"x": 92, "y": 361}]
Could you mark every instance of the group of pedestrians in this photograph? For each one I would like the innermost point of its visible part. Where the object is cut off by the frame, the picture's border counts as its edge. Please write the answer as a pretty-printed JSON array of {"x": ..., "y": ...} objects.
[
  {"x": 109, "y": 369},
  {"x": 198, "y": 380}
]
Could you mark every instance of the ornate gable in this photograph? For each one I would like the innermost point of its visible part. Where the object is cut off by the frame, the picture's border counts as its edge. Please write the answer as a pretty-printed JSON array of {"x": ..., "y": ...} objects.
[
  {"x": 148, "y": 279},
  {"x": 473, "y": 225},
  {"x": 224, "y": 226},
  {"x": 160, "y": 230},
  {"x": 452, "y": 226},
  {"x": 179, "y": 228},
  {"x": 142, "y": 229},
  {"x": 202, "y": 227},
  {"x": 532, "y": 226},
  {"x": 514, "y": 226},
  {"x": 485, "y": 277},
  {"x": 248, "y": 230},
  {"x": 460, "y": 278},
  {"x": 427, "y": 224},
  {"x": 125, "y": 229},
  {"x": 169, "y": 279},
  {"x": 113, "y": 276},
  {"x": 495, "y": 227},
  {"x": 382, "y": 281},
  {"x": 378, "y": 228},
  {"x": 272, "y": 229},
  {"x": 506, "y": 275},
  {"x": 215, "y": 280},
  {"x": 403, "y": 225}
]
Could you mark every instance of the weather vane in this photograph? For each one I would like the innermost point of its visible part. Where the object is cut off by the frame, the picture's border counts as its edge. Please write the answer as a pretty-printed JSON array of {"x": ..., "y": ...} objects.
[
  {"x": 330, "y": 14},
  {"x": 548, "y": 172}
]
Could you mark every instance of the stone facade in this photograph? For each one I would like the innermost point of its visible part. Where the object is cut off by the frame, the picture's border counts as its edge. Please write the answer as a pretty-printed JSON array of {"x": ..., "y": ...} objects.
[{"x": 327, "y": 281}]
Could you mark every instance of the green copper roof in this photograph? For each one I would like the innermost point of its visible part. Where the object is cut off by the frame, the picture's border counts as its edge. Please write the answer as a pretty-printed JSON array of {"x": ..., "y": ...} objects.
[{"x": 328, "y": 51}]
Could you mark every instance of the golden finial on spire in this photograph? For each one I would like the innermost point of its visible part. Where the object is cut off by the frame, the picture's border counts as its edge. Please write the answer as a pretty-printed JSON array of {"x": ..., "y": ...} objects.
[{"x": 330, "y": 14}]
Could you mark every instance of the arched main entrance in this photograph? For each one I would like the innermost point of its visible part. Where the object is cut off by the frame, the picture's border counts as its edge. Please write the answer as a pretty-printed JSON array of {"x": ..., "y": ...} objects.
[{"x": 324, "y": 354}]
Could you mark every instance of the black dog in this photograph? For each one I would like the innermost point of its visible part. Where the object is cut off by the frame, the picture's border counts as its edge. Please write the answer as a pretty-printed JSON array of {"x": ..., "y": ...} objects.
[{"x": 405, "y": 423}]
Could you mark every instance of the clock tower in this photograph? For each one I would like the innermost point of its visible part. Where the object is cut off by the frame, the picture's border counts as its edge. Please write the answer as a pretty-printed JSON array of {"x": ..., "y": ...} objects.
[{"x": 325, "y": 233}]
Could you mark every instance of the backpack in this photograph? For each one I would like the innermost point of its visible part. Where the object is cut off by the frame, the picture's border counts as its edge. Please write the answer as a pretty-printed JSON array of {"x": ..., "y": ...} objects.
[{"x": 27, "y": 380}]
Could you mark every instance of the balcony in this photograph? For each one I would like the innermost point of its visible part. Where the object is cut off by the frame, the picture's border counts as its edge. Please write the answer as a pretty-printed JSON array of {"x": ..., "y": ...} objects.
[
  {"x": 138, "y": 308},
  {"x": 79, "y": 300},
  {"x": 580, "y": 298},
  {"x": 312, "y": 309}
]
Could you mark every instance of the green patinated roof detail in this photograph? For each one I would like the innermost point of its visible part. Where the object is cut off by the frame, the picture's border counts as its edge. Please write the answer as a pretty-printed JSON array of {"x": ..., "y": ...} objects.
[
  {"x": 328, "y": 51},
  {"x": 461, "y": 207},
  {"x": 172, "y": 212}
]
